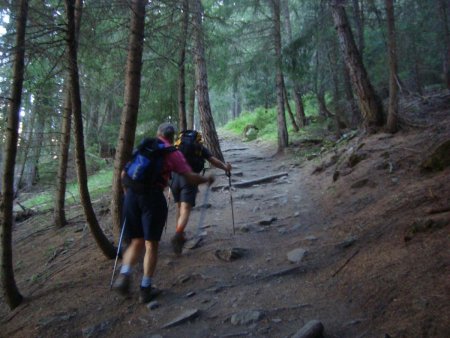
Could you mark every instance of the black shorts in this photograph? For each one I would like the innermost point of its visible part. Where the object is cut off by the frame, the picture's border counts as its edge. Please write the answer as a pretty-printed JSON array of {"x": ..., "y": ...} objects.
[
  {"x": 145, "y": 214},
  {"x": 183, "y": 191}
]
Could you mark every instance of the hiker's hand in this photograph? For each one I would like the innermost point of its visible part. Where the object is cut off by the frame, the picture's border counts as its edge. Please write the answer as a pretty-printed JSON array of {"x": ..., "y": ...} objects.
[
  {"x": 228, "y": 169},
  {"x": 211, "y": 180}
]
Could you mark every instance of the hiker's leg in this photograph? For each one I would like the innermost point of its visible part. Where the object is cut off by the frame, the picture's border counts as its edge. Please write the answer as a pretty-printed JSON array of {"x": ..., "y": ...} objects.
[
  {"x": 150, "y": 258},
  {"x": 183, "y": 218},
  {"x": 133, "y": 252},
  {"x": 130, "y": 257},
  {"x": 154, "y": 217},
  {"x": 177, "y": 217}
]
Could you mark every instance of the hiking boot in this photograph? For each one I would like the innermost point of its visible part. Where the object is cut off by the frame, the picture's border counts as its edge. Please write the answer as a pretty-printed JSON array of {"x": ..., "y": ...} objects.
[
  {"x": 177, "y": 243},
  {"x": 147, "y": 294},
  {"x": 122, "y": 284}
]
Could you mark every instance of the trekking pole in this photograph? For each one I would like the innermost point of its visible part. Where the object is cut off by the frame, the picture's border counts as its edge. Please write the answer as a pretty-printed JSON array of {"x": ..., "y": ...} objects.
[
  {"x": 202, "y": 214},
  {"x": 168, "y": 206},
  {"x": 118, "y": 251},
  {"x": 231, "y": 199}
]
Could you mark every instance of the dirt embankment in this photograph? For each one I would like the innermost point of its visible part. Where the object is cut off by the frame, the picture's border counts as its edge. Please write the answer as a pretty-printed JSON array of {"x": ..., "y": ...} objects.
[{"x": 356, "y": 238}]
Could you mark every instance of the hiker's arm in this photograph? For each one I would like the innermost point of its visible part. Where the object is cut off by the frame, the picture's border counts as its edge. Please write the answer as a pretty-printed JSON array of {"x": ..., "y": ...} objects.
[
  {"x": 122, "y": 176},
  {"x": 219, "y": 164},
  {"x": 196, "y": 179}
]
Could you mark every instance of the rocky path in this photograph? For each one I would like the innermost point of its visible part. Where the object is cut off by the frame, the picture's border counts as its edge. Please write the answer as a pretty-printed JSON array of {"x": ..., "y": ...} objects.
[
  {"x": 241, "y": 281},
  {"x": 269, "y": 276}
]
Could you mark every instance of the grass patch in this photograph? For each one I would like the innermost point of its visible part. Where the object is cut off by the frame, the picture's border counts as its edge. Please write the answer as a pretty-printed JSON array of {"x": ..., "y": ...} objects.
[
  {"x": 98, "y": 184},
  {"x": 266, "y": 121}
]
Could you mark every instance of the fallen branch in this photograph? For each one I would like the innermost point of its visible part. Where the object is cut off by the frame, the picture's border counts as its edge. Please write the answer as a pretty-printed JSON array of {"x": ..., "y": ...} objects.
[
  {"x": 346, "y": 262},
  {"x": 233, "y": 149},
  {"x": 438, "y": 210},
  {"x": 245, "y": 184}
]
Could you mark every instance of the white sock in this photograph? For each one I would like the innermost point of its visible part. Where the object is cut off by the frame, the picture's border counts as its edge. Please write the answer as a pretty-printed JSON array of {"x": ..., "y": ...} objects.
[
  {"x": 146, "y": 281},
  {"x": 125, "y": 269}
]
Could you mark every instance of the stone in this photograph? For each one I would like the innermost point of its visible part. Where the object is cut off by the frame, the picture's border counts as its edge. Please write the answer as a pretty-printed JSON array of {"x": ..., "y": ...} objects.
[
  {"x": 186, "y": 316},
  {"x": 153, "y": 305},
  {"x": 267, "y": 221},
  {"x": 246, "y": 317},
  {"x": 296, "y": 255},
  {"x": 97, "y": 330},
  {"x": 230, "y": 254},
  {"x": 312, "y": 329}
]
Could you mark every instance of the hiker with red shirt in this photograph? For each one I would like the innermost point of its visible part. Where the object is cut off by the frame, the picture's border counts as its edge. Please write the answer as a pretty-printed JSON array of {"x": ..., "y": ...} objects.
[{"x": 145, "y": 211}]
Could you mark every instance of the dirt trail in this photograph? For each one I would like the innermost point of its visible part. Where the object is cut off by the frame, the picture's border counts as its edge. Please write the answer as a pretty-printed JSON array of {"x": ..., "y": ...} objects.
[{"x": 305, "y": 248}]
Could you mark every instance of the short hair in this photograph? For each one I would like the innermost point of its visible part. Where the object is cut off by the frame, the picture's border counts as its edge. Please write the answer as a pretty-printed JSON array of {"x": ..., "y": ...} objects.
[{"x": 167, "y": 130}]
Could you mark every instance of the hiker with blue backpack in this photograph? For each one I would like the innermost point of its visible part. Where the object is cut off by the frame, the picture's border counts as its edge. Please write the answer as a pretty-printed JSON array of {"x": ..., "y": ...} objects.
[
  {"x": 190, "y": 143},
  {"x": 145, "y": 207}
]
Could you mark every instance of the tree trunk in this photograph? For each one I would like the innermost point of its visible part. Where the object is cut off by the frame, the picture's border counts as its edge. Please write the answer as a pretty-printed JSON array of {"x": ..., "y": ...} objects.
[
  {"x": 299, "y": 107},
  {"x": 444, "y": 7},
  {"x": 288, "y": 106},
  {"x": 130, "y": 111},
  {"x": 358, "y": 14},
  {"x": 392, "y": 58},
  {"x": 41, "y": 109},
  {"x": 91, "y": 219},
  {"x": 59, "y": 214},
  {"x": 191, "y": 105},
  {"x": 27, "y": 138},
  {"x": 323, "y": 109},
  {"x": 204, "y": 107},
  {"x": 10, "y": 291},
  {"x": 236, "y": 104},
  {"x": 92, "y": 125},
  {"x": 283, "y": 138},
  {"x": 355, "y": 113},
  {"x": 339, "y": 116},
  {"x": 182, "y": 68},
  {"x": 369, "y": 103}
]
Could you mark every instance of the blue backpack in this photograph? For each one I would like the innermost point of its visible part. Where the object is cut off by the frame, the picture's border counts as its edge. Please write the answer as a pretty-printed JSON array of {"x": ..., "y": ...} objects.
[{"x": 144, "y": 170}]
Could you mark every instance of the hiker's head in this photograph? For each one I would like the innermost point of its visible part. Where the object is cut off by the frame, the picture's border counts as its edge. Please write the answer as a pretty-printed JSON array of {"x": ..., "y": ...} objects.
[{"x": 167, "y": 130}]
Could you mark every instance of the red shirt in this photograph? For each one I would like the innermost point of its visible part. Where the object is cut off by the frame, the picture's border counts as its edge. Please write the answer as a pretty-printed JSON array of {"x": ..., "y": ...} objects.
[{"x": 173, "y": 161}]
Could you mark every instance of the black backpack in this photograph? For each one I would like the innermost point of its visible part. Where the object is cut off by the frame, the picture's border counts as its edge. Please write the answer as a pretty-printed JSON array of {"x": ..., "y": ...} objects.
[
  {"x": 143, "y": 172},
  {"x": 190, "y": 144}
]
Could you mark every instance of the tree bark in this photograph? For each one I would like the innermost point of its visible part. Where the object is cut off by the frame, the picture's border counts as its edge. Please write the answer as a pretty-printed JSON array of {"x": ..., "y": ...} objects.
[
  {"x": 369, "y": 103},
  {"x": 182, "y": 68},
  {"x": 392, "y": 124},
  {"x": 10, "y": 291},
  {"x": 283, "y": 138},
  {"x": 355, "y": 113},
  {"x": 27, "y": 138},
  {"x": 191, "y": 105},
  {"x": 323, "y": 109},
  {"x": 204, "y": 107},
  {"x": 359, "y": 23},
  {"x": 59, "y": 214},
  {"x": 339, "y": 116},
  {"x": 102, "y": 241},
  {"x": 444, "y": 7},
  {"x": 299, "y": 107},
  {"x": 288, "y": 106},
  {"x": 130, "y": 110},
  {"x": 297, "y": 94},
  {"x": 41, "y": 109},
  {"x": 236, "y": 104}
]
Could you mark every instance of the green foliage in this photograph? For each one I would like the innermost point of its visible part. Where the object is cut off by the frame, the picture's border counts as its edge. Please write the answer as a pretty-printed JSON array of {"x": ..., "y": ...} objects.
[
  {"x": 98, "y": 184},
  {"x": 261, "y": 118}
]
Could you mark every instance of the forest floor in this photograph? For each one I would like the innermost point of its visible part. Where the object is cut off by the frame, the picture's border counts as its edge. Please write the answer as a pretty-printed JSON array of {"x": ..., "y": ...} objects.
[{"x": 356, "y": 237}]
